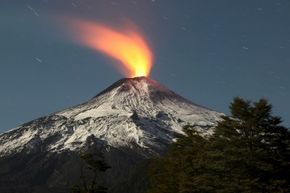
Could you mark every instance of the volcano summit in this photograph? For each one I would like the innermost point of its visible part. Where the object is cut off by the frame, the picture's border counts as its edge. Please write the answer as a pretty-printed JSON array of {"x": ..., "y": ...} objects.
[{"x": 130, "y": 122}]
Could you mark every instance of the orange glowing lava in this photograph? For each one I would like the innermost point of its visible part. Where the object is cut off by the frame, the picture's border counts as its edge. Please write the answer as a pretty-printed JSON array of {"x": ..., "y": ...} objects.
[{"x": 128, "y": 46}]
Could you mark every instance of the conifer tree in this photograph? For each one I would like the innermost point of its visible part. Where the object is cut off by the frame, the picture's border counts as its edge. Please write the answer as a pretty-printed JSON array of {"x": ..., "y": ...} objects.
[
  {"x": 95, "y": 164},
  {"x": 249, "y": 152}
]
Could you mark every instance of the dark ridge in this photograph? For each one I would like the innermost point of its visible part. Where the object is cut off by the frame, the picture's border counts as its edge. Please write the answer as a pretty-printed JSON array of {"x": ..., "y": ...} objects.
[{"x": 119, "y": 83}]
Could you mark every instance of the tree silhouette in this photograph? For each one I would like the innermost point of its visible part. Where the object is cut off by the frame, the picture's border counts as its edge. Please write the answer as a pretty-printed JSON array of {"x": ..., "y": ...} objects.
[
  {"x": 95, "y": 164},
  {"x": 248, "y": 153}
]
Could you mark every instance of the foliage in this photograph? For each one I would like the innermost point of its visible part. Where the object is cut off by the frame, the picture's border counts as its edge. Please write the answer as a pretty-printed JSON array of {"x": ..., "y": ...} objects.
[
  {"x": 248, "y": 153},
  {"x": 96, "y": 165}
]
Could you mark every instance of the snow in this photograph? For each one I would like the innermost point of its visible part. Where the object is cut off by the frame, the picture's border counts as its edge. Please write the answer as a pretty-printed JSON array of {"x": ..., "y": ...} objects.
[
  {"x": 132, "y": 112},
  {"x": 15, "y": 142}
]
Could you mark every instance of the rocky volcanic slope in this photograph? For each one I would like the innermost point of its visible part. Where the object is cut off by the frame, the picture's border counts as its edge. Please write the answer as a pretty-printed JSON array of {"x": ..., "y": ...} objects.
[{"x": 129, "y": 122}]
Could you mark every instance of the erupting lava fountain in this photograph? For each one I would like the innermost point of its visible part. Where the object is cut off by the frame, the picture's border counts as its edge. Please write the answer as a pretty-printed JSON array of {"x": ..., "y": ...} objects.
[{"x": 128, "y": 46}]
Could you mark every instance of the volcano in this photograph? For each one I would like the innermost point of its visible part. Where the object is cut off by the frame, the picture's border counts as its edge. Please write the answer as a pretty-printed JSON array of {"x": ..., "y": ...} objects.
[{"x": 130, "y": 122}]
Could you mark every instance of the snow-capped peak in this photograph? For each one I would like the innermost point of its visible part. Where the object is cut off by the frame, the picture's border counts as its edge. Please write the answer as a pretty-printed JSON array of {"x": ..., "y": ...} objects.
[{"x": 133, "y": 112}]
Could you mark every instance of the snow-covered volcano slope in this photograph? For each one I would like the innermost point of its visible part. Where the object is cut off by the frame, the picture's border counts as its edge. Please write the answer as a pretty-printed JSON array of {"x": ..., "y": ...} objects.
[{"x": 133, "y": 113}]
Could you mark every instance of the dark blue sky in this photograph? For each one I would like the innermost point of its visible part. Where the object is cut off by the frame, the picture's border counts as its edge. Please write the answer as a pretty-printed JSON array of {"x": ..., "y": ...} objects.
[{"x": 206, "y": 50}]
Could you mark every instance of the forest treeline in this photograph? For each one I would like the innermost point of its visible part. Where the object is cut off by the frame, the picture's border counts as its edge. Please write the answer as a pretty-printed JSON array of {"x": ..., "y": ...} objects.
[{"x": 249, "y": 152}]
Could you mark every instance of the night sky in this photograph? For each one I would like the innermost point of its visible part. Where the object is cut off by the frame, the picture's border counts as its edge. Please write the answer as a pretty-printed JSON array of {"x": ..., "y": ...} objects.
[{"x": 206, "y": 50}]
